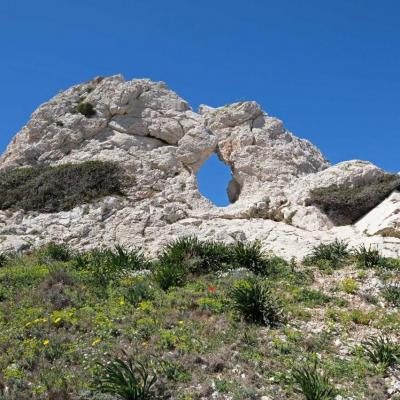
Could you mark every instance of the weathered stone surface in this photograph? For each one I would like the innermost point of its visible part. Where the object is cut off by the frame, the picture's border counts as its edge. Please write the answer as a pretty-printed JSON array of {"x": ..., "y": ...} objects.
[{"x": 159, "y": 141}]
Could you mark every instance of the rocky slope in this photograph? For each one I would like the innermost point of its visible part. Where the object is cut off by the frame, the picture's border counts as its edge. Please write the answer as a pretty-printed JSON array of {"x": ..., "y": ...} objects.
[{"x": 161, "y": 143}]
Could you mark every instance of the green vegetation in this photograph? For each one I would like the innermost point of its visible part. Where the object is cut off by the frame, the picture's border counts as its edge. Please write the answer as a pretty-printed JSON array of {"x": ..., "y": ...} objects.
[
  {"x": 368, "y": 257},
  {"x": 106, "y": 266},
  {"x": 329, "y": 256},
  {"x": 86, "y": 109},
  {"x": 346, "y": 204},
  {"x": 250, "y": 256},
  {"x": 3, "y": 260},
  {"x": 312, "y": 384},
  {"x": 391, "y": 293},
  {"x": 382, "y": 351},
  {"x": 349, "y": 285},
  {"x": 254, "y": 302},
  {"x": 127, "y": 379},
  {"x": 59, "y": 188},
  {"x": 199, "y": 321}
]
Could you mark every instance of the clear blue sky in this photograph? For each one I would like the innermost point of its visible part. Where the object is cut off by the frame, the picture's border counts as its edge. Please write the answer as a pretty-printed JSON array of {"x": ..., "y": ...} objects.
[{"x": 329, "y": 69}]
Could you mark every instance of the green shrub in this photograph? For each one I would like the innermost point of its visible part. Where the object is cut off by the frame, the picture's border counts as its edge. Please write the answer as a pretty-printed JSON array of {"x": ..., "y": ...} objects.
[
  {"x": 127, "y": 379},
  {"x": 391, "y": 294},
  {"x": 346, "y": 204},
  {"x": 86, "y": 109},
  {"x": 253, "y": 300},
  {"x": 389, "y": 263},
  {"x": 312, "y": 384},
  {"x": 58, "y": 188},
  {"x": 368, "y": 257},
  {"x": 250, "y": 256},
  {"x": 382, "y": 351},
  {"x": 140, "y": 290},
  {"x": 55, "y": 252},
  {"x": 312, "y": 297},
  {"x": 173, "y": 371},
  {"x": 105, "y": 266},
  {"x": 349, "y": 285},
  {"x": 200, "y": 257},
  {"x": 332, "y": 255},
  {"x": 168, "y": 274},
  {"x": 3, "y": 259}
]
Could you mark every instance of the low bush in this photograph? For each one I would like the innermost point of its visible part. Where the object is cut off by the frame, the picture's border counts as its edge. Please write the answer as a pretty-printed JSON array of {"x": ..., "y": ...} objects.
[
  {"x": 349, "y": 285},
  {"x": 332, "y": 255},
  {"x": 55, "y": 252},
  {"x": 390, "y": 264},
  {"x": 58, "y": 188},
  {"x": 312, "y": 384},
  {"x": 346, "y": 204},
  {"x": 382, "y": 351},
  {"x": 140, "y": 290},
  {"x": 253, "y": 300},
  {"x": 86, "y": 109},
  {"x": 168, "y": 274},
  {"x": 55, "y": 289},
  {"x": 250, "y": 256},
  {"x": 127, "y": 379},
  {"x": 200, "y": 257},
  {"x": 391, "y": 294},
  {"x": 368, "y": 257},
  {"x": 312, "y": 297},
  {"x": 3, "y": 259},
  {"x": 105, "y": 266}
]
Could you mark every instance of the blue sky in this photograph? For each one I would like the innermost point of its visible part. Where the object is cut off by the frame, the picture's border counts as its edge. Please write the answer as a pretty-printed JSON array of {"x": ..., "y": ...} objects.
[{"x": 329, "y": 69}]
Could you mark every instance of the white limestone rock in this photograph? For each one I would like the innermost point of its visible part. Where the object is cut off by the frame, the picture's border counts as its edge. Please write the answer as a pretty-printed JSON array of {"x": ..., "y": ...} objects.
[{"x": 161, "y": 143}]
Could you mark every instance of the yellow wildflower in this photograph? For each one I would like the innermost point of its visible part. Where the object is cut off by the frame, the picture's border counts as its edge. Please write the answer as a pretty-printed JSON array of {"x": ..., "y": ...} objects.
[
  {"x": 57, "y": 320},
  {"x": 122, "y": 301},
  {"x": 96, "y": 341},
  {"x": 46, "y": 342}
]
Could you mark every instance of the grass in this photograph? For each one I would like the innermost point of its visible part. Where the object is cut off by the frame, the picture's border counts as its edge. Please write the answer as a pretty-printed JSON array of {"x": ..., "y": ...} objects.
[
  {"x": 51, "y": 189},
  {"x": 65, "y": 318},
  {"x": 368, "y": 257},
  {"x": 127, "y": 379},
  {"x": 103, "y": 266},
  {"x": 382, "y": 351},
  {"x": 253, "y": 300},
  {"x": 329, "y": 256},
  {"x": 391, "y": 294},
  {"x": 313, "y": 385}
]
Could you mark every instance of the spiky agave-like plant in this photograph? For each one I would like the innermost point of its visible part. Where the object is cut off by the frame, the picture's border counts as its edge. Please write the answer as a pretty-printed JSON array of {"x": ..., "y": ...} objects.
[
  {"x": 382, "y": 351},
  {"x": 254, "y": 301},
  {"x": 127, "y": 379},
  {"x": 312, "y": 384}
]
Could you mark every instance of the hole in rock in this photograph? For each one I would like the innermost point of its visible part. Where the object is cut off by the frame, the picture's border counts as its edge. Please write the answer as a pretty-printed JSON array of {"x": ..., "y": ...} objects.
[{"x": 215, "y": 181}]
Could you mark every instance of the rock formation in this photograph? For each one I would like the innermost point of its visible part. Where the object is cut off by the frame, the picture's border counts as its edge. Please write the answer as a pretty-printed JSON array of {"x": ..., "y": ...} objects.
[{"x": 161, "y": 143}]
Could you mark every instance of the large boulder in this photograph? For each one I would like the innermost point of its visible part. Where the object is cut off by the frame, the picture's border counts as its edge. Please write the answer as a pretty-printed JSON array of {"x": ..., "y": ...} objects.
[{"x": 160, "y": 143}]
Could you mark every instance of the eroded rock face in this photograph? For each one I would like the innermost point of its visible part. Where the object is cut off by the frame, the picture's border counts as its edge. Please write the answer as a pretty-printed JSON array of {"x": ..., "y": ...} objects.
[{"x": 161, "y": 143}]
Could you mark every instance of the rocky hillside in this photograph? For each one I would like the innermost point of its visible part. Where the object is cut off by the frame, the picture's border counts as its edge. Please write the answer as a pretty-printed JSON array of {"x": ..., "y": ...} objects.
[{"x": 142, "y": 191}]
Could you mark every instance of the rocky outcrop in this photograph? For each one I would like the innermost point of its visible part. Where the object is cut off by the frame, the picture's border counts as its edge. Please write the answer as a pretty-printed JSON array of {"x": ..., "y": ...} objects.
[{"x": 161, "y": 143}]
